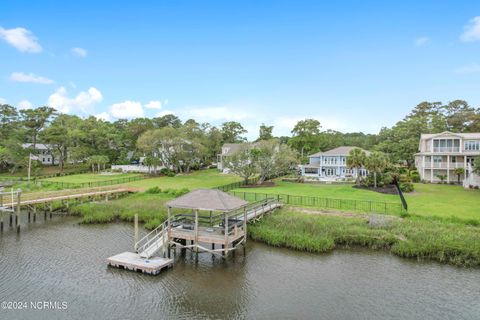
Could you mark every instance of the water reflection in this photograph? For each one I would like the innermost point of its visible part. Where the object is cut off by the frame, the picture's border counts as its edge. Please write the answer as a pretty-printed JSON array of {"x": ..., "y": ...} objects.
[{"x": 60, "y": 260}]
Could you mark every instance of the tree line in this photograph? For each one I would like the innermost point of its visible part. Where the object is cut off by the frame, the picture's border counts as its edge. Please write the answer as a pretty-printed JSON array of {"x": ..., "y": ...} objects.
[{"x": 167, "y": 141}]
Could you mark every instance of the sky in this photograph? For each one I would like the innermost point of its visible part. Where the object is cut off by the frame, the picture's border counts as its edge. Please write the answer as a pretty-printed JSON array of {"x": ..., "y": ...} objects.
[{"x": 353, "y": 65}]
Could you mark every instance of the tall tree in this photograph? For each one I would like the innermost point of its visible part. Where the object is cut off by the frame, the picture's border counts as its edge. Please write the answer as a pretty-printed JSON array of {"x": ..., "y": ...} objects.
[
  {"x": 356, "y": 159},
  {"x": 34, "y": 120},
  {"x": 232, "y": 132},
  {"x": 376, "y": 162},
  {"x": 265, "y": 132},
  {"x": 305, "y": 136}
]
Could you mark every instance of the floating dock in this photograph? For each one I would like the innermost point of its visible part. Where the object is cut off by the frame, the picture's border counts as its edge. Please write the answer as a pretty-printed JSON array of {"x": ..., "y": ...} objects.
[{"x": 133, "y": 261}]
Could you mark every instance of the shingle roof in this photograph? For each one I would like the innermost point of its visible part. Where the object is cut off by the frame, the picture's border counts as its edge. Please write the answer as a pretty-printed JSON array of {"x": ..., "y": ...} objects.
[
  {"x": 340, "y": 151},
  {"x": 207, "y": 199}
]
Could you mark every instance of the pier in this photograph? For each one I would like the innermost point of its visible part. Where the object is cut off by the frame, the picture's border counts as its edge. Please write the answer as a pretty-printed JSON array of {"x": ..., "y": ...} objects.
[
  {"x": 204, "y": 220},
  {"x": 11, "y": 202}
]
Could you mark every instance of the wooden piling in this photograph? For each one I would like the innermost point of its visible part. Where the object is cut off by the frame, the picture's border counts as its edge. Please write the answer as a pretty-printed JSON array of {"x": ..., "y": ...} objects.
[{"x": 135, "y": 236}]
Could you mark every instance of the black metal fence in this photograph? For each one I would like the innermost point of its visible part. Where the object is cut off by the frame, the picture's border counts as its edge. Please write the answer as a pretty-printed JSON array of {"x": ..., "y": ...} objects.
[
  {"x": 236, "y": 185},
  {"x": 326, "y": 203}
]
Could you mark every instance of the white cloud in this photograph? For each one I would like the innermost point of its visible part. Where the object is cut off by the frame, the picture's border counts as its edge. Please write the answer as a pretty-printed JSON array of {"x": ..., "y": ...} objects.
[
  {"x": 422, "y": 41},
  {"x": 80, "y": 52},
  {"x": 468, "y": 69},
  {"x": 103, "y": 116},
  {"x": 164, "y": 113},
  {"x": 24, "y": 104},
  {"x": 217, "y": 113},
  {"x": 3, "y": 101},
  {"x": 21, "y": 38},
  {"x": 83, "y": 101},
  {"x": 126, "y": 110},
  {"x": 30, "y": 77},
  {"x": 154, "y": 105},
  {"x": 471, "y": 32}
]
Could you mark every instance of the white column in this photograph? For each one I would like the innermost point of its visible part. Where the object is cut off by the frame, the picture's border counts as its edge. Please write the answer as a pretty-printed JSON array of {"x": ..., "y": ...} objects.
[
  {"x": 448, "y": 169},
  {"x": 423, "y": 167}
]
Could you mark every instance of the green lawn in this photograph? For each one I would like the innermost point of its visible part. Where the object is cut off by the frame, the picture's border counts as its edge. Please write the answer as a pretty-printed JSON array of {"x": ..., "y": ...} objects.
[
  {"x": 90, "y": 177},
  {"x": 445, "y": 201},
  {"x": 195, "y": 180}
]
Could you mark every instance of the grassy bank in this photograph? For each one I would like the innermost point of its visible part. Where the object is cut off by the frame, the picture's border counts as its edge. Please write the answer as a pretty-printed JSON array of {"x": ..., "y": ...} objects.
[
  {"x": 446, "y": 202},
  {"x": 150, "y": 208},
  {"x": 420, "y": 238},
  {"x": 198, "y": 179}
]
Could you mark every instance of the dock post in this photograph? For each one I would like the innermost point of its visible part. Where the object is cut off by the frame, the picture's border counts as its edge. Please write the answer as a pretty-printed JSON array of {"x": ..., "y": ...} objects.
[
  {"x": 11, "y": 220},
  {"x": 17, "y": 215},
  {"x": 225, "y": 251},
  {"x": 135, "y": 235},
  {"x": 244, "y": 226},
  {"x": 29, "y": 216},
  {"x": 34, "y": 213},
  {"x": 196, "y": 231}
]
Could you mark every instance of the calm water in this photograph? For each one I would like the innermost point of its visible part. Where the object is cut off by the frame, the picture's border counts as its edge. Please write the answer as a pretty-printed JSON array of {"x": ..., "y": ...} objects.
[{"x": 59, "y": 260}]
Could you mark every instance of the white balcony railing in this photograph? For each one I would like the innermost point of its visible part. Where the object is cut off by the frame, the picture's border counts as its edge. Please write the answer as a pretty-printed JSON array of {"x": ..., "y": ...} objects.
[
  {"x": 446, "y": 149},
  {"x": 444, "y": 165}
]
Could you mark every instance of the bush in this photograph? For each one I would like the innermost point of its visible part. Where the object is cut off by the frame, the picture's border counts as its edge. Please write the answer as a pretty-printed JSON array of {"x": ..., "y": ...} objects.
[
  {"x": 414, "y": 176},
  {"x": 167, "y": 172},
  {"x": 154, "y": 190},
  {"x": 405, "y": 183}
]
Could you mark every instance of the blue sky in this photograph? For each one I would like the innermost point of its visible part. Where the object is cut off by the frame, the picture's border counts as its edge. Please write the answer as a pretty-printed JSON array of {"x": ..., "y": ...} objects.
[{"x": 355, "y": 66}]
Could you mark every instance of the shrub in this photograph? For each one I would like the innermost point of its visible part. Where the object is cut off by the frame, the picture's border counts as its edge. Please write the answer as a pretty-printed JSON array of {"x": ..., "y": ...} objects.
[
  {"x": 415, "y": 176},
  {"x": 154, "y": 190},
  {"x": 405, "y": 183},
  {"x": 167, "y": 172}
]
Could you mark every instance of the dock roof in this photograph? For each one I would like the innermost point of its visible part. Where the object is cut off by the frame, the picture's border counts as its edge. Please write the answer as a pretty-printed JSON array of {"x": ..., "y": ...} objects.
[{"x": 207, "y": 199}]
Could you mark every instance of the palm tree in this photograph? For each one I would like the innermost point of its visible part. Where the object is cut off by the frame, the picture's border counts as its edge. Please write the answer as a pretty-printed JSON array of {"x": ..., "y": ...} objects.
[
  {"x": 356, "y": 159},
  {"x": 459, "y": 172},
  {"x": 376, "y": 162}
]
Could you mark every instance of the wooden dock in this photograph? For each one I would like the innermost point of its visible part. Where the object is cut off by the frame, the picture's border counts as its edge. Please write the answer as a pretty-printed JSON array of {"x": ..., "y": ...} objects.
[
  {"x": 217, "y": 234},
  {"x": 133, "y": 261}
]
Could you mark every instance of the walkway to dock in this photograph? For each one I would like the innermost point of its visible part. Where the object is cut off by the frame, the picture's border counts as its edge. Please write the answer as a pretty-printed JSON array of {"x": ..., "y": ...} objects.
[{"x": 11, "y": 202}]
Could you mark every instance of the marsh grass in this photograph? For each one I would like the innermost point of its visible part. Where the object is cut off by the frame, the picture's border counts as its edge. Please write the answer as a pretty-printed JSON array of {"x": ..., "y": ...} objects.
[
  {"x": 149, "y": 207},
  {"x": 420, "y": 238}
]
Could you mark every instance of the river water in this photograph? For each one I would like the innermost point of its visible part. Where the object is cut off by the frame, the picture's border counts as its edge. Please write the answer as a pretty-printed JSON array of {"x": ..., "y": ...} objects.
[{"x": 62, "y": 262}]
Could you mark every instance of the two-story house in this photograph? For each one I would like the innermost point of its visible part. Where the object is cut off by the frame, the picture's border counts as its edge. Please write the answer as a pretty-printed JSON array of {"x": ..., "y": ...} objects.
[
  {"x": 440, "y": 154},
  {"x": 44, "y": 152},
  {"x": 332, "y": 165}
]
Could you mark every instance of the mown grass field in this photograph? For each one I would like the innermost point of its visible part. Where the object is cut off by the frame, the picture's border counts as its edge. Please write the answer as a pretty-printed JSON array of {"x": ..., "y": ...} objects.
[
  {"x": 443, "y": 201},
  {"x": 198, "y": 179},
  {"x": 90, "y": 177}
]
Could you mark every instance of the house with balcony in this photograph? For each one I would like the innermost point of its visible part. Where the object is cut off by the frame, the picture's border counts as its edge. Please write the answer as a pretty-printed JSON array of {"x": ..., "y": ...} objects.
[
  {"x": 440, "y": 154},
  {"x": 331, "y": 165}
]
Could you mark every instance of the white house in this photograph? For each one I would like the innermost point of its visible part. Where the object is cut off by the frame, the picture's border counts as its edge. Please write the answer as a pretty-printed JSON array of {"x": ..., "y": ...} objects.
[
  {"x": 332, "y": 165},
  {"x": 440, "y": 154},
  {"x": 228, "y": 150},
  {"x": 44, "y": 152}
]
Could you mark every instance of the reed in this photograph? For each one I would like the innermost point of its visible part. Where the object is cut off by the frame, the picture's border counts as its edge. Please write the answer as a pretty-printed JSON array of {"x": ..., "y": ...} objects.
[{"x": 453, "y": 243}]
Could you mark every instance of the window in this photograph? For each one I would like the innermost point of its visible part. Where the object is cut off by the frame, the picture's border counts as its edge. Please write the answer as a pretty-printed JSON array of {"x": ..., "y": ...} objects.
[
  {"x": 472, "y": 145},
  {"x": 437, "y": 159},
  {"x": 311, "y": 170}
]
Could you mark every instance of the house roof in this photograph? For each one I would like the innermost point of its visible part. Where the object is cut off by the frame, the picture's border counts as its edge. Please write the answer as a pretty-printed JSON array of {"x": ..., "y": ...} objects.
[
  {"x": 38, "y": 146},
  {"x": 469, "y": 135},
  {"x": 340, "y": 151},
  {"x": 207, "y": 199}
]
